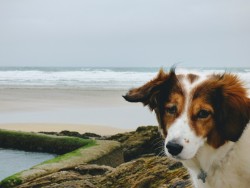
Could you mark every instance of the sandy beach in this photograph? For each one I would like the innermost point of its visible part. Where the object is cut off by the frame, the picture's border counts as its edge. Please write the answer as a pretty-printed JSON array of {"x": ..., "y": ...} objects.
[{"x": 103, "y": 112}]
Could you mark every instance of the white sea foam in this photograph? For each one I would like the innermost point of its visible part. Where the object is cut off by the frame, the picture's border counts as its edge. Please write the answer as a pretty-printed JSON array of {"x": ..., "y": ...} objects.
[
  {"x": 99, "y": 78},
  {"x": 83, "y": 78}
]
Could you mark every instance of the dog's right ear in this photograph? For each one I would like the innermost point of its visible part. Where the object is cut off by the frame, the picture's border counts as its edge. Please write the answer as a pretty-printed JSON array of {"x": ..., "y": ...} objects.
[{"x": 147, "y": 93}]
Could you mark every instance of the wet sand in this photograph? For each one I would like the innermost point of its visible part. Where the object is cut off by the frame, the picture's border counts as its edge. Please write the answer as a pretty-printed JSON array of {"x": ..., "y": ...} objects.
[{"x": 103, "y": 112}]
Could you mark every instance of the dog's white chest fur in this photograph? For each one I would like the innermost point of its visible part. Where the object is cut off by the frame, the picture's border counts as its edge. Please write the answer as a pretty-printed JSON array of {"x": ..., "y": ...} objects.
[{"x": 227, "y": 166}]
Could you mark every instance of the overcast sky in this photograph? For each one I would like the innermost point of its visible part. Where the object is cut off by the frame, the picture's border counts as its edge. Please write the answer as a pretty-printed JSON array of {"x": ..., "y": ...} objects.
[{"x": 125, "y": 33}]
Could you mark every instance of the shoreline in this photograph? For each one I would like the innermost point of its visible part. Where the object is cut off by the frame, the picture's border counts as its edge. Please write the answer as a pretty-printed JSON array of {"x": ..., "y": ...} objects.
[{"x": 57, "y": 127}]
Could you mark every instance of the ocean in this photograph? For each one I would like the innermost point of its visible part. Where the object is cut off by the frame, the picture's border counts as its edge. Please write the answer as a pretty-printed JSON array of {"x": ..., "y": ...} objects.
[{"x": 93, "y": 77}]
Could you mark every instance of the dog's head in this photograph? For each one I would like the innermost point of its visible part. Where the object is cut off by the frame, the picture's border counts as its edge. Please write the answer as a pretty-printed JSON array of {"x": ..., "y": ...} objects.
[{"x": 193, "y": 110}]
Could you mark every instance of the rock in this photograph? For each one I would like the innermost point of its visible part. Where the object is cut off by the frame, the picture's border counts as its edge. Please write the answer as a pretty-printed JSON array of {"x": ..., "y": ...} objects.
[
  {"x": 102, "y": 153},
  {"x": 74, "y": 134},
  {"x": 145, "y": 172},
  {"x": 70, "y": 133},
  {"x": 49, "y": 133},
  {"x": 92, "y": 169},
  {"x": 59, "y": 179},
  {"x": 145, "y": 140},
  {"x": 144, "y": 169},
  {"x": 148, "y": 172},
  {"x": 91, "y": 135}
]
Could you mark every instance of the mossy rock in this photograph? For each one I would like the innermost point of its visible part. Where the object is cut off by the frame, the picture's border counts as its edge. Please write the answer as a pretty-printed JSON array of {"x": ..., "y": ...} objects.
[
  {"x": 99, "y": 152},
  {"x": 40, "y": 143},
  {"x": 144, "y": 172}
]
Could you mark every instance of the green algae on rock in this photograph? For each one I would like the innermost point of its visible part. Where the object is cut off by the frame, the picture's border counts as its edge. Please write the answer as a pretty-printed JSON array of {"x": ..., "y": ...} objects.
[
  {"x": 40, "y": 143},
  {"x": 100, "y": 152}
]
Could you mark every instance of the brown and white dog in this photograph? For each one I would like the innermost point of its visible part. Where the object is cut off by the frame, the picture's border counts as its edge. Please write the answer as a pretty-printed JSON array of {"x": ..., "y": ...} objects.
[{"x": 205, "y": 123}]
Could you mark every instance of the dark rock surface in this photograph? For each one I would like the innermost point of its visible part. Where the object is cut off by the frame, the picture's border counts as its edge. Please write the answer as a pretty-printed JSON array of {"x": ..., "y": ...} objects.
[
  {"x": 74, "y": 134},
  {"x": 145, "y": 172},
  {"x": 145, "y": 140},
  {"x": 81, "y": 176},
  {"x": 144, "y": 169},
  {"x": 35, "y": 142}
]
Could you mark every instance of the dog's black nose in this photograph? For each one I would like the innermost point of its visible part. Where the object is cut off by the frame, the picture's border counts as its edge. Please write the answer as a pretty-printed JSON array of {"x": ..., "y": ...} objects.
[{"x": 173, "y": 148}]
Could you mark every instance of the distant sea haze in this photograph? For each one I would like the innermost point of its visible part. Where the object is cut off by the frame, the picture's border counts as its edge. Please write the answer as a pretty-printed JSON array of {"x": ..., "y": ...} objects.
[{"x": 93, "y": 78}]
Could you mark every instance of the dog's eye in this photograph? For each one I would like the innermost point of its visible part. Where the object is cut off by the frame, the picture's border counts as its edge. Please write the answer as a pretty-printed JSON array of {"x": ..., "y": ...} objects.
[
  {"x": 171, "y": 110},
  {"x": 203, "y": 114}
]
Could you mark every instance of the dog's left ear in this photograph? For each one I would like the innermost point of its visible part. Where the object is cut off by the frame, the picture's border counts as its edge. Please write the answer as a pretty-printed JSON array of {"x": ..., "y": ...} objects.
[
  {"x": 146, "y": 94},
  {"x": 234, "y": 107}
]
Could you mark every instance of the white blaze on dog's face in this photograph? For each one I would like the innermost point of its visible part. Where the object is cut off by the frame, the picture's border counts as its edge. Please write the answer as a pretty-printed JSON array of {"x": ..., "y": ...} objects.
[
  {"x": 187, "y": 120},
  {"x": 193, "y": 110}
]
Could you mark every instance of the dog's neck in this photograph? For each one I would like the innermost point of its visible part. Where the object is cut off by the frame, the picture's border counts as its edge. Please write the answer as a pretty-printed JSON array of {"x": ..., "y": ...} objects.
[{"x": 207, "y": 160}]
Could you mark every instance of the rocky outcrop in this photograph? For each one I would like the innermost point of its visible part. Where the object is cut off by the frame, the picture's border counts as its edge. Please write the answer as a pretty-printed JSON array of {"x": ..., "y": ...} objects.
[
  {"x": 145, "y": 140},
  {"x": 84, "y": 175},
  {"x": 144, "y": 167},
  {"x": 103, "y": 152},
  {"x": 145, "y": 172},
  {"x": 40, "y": 142}
]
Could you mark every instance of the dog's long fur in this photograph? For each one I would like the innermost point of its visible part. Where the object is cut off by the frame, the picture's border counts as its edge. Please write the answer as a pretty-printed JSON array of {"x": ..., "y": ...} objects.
[{"x": 208, "y": 117}]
